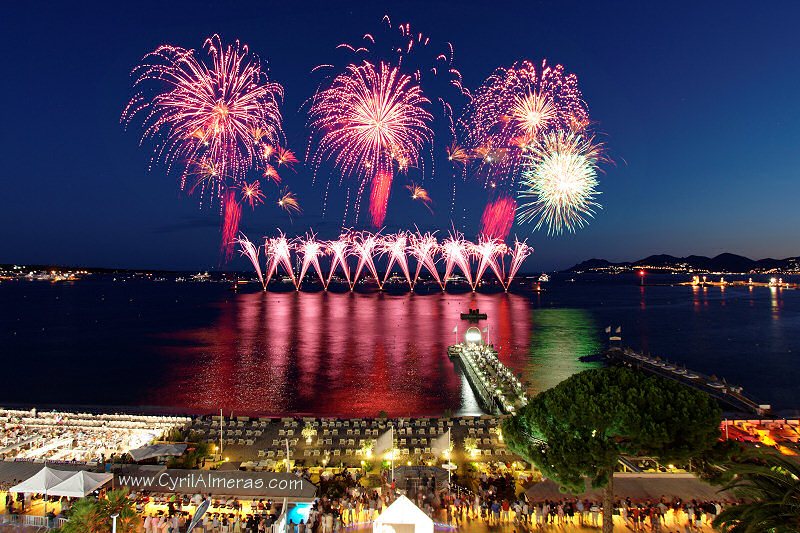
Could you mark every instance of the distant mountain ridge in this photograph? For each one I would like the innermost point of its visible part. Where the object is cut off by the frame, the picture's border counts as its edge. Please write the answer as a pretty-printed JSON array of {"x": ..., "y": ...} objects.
[{"x": 725, "y": 262}]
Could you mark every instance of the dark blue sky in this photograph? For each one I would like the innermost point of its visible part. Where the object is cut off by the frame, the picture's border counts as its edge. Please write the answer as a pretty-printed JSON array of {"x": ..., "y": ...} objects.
[{"x": 698, "y": 103}]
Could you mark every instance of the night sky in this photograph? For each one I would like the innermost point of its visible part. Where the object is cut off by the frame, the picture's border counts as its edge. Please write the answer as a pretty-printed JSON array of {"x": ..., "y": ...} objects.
[{"x": 697, "y": 102}]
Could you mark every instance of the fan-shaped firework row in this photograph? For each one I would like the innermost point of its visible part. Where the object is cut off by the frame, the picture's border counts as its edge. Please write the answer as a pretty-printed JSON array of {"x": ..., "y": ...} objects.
[
  {"x": 354, "y": 255},
  {"x": 213, "y": 117}
]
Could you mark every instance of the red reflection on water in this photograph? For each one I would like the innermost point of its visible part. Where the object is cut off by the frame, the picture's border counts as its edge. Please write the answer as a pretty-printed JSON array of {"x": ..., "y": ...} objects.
[{"x": 335, "y": 354}]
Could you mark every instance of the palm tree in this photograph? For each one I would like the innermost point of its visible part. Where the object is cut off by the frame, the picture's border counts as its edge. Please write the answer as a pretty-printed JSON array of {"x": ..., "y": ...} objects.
[
  {"x": 117, "y": 502},
  {"x": 80, "y": 515},
  {"x": 770, "y": 491},
  {"x": 90, "y": 515}
]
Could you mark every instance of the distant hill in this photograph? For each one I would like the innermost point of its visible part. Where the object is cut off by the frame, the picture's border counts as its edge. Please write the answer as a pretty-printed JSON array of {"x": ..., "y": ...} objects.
[{"x": 725, "y": 262}]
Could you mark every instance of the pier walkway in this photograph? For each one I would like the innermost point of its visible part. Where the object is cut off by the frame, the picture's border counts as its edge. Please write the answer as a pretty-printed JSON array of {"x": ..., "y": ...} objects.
[
  {"x": 720, "y": 390},
  {"x": 494, "y": 384}
]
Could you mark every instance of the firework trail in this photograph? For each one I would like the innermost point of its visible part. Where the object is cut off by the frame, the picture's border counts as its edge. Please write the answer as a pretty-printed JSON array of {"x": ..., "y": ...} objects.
[
  {"x": 363, "y": 121},
  {"x": 250, "y": 250},
  {"x": 423, "y": 248},
  {"x": 521, "y": 251},
  {"x": 418, "y": 193},
  {"x": 558, "y": 186},
  {"x": 285, "y": 157},
  {"x": 338, "y": 250},
  {"x": 279, "y": 253},
  {"x": 426, "y": 62},
  {"x": 395, "y": 247},
  {"x": 487, "y": 252},
  {"x": 310, "y": 250},
  {"x": 232, "y": 213},
  {"x": 514, "y": 107},
  {"x": 456, "y": 252},
  {"x": 211, "y": 108},
  {"x": 271, "y": 173},
  {"x": 366, "y": 246},
  {"x": 288, "y": 202},
  {"x": 457, "y": 154},
  {"x": 498, "y": 217}
]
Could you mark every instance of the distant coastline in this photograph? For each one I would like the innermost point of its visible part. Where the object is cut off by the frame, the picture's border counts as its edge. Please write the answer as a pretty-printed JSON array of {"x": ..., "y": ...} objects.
[{"x": 725, "y": 263}]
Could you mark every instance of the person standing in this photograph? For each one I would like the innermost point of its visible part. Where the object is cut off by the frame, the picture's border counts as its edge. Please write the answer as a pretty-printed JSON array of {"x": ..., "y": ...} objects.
[{"x": 595, "y": 510}]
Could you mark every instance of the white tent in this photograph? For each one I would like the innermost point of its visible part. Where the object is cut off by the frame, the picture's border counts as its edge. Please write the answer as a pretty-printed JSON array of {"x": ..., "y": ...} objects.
[
  {"x": 157, "y": 450},
  {"x": 403, "y": 517},
  {"x": 80, "y": 484},
  {"x": 42, "y": 481}
]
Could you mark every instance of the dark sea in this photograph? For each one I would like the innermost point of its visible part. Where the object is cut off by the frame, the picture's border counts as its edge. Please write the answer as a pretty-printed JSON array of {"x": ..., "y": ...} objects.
[{"x": 192, "y": 347}]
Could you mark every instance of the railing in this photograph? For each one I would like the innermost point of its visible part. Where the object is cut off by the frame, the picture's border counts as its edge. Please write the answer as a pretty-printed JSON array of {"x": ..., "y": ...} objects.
[{"x": 31, "y": 521}]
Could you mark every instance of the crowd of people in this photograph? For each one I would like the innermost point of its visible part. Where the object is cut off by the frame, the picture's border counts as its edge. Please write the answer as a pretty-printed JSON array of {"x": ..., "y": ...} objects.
[
  {"x": 343, "y": 502},
  {"x": 494, "y": 503}
]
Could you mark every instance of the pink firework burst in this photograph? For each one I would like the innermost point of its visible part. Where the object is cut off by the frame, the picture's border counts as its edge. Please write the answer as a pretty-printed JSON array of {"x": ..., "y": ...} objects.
[
  {"x": 363, "y": 120},
  {"x": 518, "y": 255},
  {"x": 456, "y": 252},
  {"x": 251, "y": 251},
  {"x": 366, "y": 246},
  {"x": 278, "y": 253},
  {"x": 488, "y": 251},
  {"x": 339, "y": 250},
  {"x": 395, "y": 246},
  {"x": 512, "y": 108},
  {"x": 423, "y": 248},
  {"x": 217, "y": 108},
  {"x": 310, "y": 250},
  {"x": 251, "y": 193}
]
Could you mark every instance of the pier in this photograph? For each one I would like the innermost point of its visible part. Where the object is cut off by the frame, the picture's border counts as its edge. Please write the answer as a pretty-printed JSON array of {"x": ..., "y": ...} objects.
[
  {"x": 720, "y": 390},
  {"x": 495, "y": 385}
]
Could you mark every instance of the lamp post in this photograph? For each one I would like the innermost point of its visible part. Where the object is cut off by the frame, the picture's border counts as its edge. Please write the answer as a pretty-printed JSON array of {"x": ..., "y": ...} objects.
[
  {"x": 114, "y": 523},
  {"x": 221, "y": 419}
]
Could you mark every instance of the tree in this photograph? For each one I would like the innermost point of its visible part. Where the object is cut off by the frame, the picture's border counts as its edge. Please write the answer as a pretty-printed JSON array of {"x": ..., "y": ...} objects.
[
  {"x": 90, "y": 515},
  {"x": 579, "y": 429},
  {"x": 770, "y": 488},
  {"x": 80, "y": 516}
]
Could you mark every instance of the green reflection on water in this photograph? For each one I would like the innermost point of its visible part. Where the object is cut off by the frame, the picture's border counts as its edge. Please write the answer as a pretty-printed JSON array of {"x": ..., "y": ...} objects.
[{"x": 559, "y": 337}]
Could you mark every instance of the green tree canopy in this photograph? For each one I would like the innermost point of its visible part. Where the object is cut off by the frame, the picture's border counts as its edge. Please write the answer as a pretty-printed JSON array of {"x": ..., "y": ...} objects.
[{"x": 579, "y": 429}]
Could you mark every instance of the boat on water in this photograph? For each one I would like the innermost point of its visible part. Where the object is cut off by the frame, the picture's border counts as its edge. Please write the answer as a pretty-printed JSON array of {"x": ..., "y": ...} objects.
[{"x": 544, "y": 278}]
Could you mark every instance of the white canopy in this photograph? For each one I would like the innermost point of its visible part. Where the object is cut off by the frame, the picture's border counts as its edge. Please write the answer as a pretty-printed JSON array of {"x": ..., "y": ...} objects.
[
  {"x": 80, "y": 484},
  {"x": 157, "y": 450},
  {"x": 402, "y": 516},
  {"x": 42, "y": 481}
]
